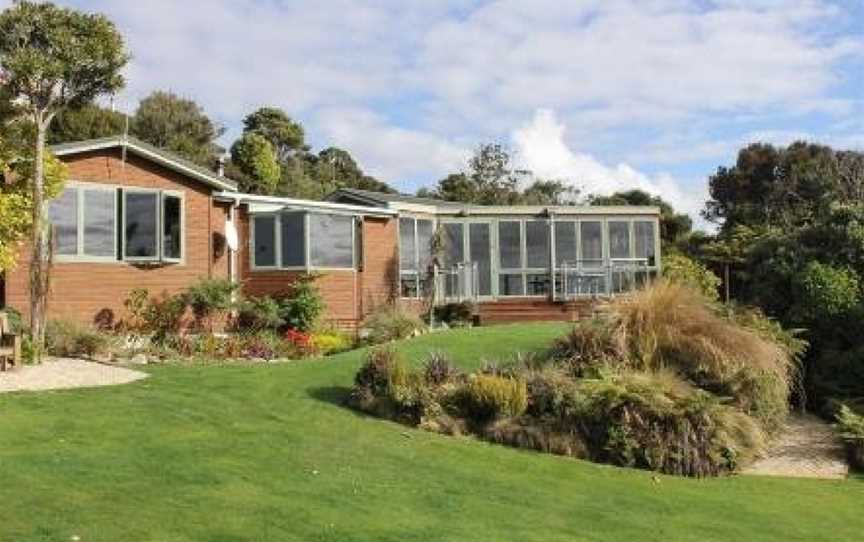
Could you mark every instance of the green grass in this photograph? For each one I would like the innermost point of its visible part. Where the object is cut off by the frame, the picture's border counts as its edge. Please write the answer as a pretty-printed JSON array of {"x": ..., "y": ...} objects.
[{"x": 229, "y": 453}]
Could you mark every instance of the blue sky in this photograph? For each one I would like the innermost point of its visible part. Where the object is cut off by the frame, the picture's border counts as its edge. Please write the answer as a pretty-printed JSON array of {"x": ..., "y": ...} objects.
[{"x": 605, "y": 94}]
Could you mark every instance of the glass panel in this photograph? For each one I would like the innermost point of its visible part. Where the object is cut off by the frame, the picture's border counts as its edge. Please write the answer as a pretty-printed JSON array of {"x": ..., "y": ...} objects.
[
  {"x": 510, "y": 245},
  {"x": 408, "y": 285},
  {"x": 331, "y": 241},
  {"x": 537, "y": 243},
  {"x": 407, "y": 246},
  {"x": 510, "y": 284},
  {"x": 481, "y": 254},
  {"x": 63, "y": 213},
  {"x": 454, "y": 249},
  {"x": 265, "y": 240},
  {"x": 293, "y": 239},
  {"x": 538, "y": 284},
  {"x": 425, "y": 232},
  {"x": 645, "y": 240},
  {"x": 141, "y": 224},
  {"x": 565, "y": 243},
  {"x": 99, "y": 219},
  {"x": 591, "y": 242},
  {"x": 172, "y": 232},
  {"x": 619, "y": 239}
]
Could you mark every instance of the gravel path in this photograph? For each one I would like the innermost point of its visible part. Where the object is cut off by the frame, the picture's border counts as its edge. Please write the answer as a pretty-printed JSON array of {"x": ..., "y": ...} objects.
[
  {"x": 62, "y": 373},
  {"x": 807, "y": 448}
]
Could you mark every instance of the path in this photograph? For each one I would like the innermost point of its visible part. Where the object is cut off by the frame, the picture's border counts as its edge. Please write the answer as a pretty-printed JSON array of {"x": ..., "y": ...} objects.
[
  {"x": 807, "y": 448},
  {"x": 62, "y": 373}
]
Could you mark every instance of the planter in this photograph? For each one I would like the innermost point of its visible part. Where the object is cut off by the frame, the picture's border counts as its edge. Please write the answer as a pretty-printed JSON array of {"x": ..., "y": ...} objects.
[{"x": 855, "y": 453}]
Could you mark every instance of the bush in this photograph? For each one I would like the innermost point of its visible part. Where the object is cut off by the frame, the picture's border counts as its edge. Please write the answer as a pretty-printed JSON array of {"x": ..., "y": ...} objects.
[
  {"x": 16, "y": 321},
  {"x": 391, "y": 323},
  {"x": 210, "y": 298},
  {"x": 485, "y": 398},
  {"x": 824, "y": 293},
  {"x": 159, "y": 318},
  {"x": 455, "y": 314},
  {"x": 851, "y": 428},
  {"x": 260, "y": 313},
  {"x": 439, "y": 370},
  {"x": 680, "y": 269},
  {"x": 330, "y": 342},
  {"x": 70, "y": 339},
  {"x": 304, "y": 305}
]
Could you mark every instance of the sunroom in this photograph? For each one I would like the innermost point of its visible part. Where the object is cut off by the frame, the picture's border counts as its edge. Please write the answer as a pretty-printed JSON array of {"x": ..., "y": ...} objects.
[{"x": 487, "y": 254}]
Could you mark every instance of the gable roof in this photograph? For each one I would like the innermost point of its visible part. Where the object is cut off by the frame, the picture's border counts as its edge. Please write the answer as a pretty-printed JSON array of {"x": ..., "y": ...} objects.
[{"x": 154, "y": 154}]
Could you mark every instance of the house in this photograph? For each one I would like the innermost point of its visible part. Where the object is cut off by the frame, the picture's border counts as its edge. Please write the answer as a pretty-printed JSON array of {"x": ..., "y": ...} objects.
[{"x": 134, "y": 216}]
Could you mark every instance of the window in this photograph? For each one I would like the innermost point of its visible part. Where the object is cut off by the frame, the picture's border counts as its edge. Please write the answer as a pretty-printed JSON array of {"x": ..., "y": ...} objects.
[
  {"x": 591, "y": 243},
  {"x": 454, "y": 247},
  {"x": 332, "y": 241},
  {"x": 84, "y": 221},
  {"x": 511, "y": 284},
  {"x": 292, "y": 239},
  {"x": 415, "y": 254},
  {"x": 302, "y": 240},
  {"x": 481, "y": 254},
  {"x": 565, "y": 243},
  {"x": 63, "y": 214},
  {"x": 141, "y": 224},
  {"x": 619, "y": 239},
  {"x": 172, "y": 227},
  {"x": 510, "y": 245},
  {"x": 645, "y": 241},
  {"x": 537, "y": 244},
  {"x": 264, "y": 241}
]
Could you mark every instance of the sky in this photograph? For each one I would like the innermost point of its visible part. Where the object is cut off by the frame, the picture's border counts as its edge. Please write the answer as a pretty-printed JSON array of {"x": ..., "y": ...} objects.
[{"x": 602, "y": 94}]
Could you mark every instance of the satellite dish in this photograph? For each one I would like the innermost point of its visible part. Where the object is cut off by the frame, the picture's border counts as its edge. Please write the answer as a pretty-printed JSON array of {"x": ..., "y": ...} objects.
[{"x": 231, "y": 238}]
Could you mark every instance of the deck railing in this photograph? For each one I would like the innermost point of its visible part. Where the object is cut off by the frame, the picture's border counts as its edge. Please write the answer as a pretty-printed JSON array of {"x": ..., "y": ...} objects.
[
  {"x": 457, "y": 283},
  {"x": 585, "y": 278}
]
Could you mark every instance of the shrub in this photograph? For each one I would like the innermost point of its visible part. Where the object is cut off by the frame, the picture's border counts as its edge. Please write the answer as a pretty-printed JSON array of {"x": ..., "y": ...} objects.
[
  {"x": 260, "y": 313},
  {"x": 15, "y": 320},
  {"x": 587, "y": 347},
  {"x": 851, "y": 428},
  {"x": 680, "y": 269},
  {"x": 375, "y": 374},
  {"x": 825, "y": 293},
  {"x": 485, "y": 398},
  {"x": 668, "y": 325},
  {"x": 151, "y": 316},
  {"x": 70, "y": 339},
  {"x": 303, "y": 306},
  {"x": 392, "y": 322},
  {"x": 439, "y": 370},
  {"x": 210, "y": 298},
  {"x": 455, "y": 314},
  {"x": 330, "y": 342}
]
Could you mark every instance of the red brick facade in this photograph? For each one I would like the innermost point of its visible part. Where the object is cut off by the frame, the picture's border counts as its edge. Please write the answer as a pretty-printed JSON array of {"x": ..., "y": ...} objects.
[{"x": 82, "y": 291}]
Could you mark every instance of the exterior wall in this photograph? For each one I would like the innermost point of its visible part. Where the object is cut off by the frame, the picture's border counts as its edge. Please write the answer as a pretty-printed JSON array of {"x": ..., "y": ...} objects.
[
  {"x": 349, "y": 295},
  {"x": 81, "y": 291}
]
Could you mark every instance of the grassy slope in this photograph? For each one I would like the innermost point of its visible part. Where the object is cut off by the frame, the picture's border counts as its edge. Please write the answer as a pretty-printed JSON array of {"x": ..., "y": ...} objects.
[{"x": 266, "y": 453}]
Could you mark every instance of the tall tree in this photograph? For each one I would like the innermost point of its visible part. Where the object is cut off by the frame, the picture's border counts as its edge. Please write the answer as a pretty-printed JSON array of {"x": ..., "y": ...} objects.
[
  {"x": 490, "y": 179},
  {"x": 51, "y": 59},
  {"x": 287, "y": 136},
  {"x": 673, "y": 226},
  {"x": 549, "y": 192},
  {"x": 88, "y": 122},
  {"x": 180, "y": 125},
  {"x": 254, "y": 157}
]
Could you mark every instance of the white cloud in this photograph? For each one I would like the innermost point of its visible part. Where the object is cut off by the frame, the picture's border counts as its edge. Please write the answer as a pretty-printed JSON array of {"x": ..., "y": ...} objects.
[{"x": 540, "y": 147}]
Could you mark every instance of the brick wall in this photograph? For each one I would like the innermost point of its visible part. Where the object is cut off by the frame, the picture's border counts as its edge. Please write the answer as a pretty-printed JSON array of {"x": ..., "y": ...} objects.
[
  {"x": 80, "y": 291},
  {"x": 348, "y": 295}
]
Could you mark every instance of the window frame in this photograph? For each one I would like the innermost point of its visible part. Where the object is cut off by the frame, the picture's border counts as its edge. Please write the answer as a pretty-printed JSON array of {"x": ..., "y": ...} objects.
[
  {"x": 158, "y": 233},
  {"x": 80, "y": 256},
  {"x": 182, "y": 197},
  {"x": 416, "y": 274},
  {"x": 307, "y": 237}
]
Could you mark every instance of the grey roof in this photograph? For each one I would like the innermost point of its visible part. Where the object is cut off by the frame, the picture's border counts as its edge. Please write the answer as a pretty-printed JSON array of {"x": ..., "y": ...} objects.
[
  {"x": 145, "y": 150},
  {"x": 383, "y": 199}
]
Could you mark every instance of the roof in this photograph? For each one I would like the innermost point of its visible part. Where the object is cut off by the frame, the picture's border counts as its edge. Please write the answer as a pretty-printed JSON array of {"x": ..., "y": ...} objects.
[
  {"x": 402, "y": 202},
  {"x": 145, "y": 150},
  {"x": 270, "y": 204}
]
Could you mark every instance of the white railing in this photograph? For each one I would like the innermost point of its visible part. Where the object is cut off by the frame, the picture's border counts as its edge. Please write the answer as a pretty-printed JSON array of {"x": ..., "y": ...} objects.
[
  {"x": 585, "y": 278},
  {"x": 458, "y": 283}
]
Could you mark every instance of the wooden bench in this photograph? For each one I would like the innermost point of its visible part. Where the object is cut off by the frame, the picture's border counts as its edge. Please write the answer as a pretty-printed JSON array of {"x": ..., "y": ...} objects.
[{"x": 10, "y": 346}]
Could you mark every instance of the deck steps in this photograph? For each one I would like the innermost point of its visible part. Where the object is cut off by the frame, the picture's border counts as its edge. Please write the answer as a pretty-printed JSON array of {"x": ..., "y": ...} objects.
[{"x": 533, "y": 310}]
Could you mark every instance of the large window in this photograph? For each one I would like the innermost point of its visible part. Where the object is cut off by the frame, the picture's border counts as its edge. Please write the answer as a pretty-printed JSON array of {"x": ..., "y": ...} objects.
[
  {"x": 646, "y": 240},
  {"x": 303, "y": 240},
  {"x": 523, "y": 257},
  {"x": 565, "y": 243},
  {"x": 591, "y": 243},
  {"x": 100, "y": 223},
  {"x": 415, "y": 254}
]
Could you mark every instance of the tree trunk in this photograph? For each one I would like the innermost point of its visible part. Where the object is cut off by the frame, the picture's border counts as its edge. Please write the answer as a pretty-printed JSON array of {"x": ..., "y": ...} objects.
[
  {"x": 727, "y": 282},
  {"x": 40, "y": 246}
]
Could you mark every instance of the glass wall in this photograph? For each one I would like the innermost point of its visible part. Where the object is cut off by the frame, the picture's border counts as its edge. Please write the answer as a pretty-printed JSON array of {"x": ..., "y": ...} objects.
[
  {"x": 303, "y": 240},
  {"x": 415, "y": 254}
]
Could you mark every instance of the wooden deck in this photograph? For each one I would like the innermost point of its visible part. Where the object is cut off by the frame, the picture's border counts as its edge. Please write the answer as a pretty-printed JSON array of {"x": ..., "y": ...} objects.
[{"x": 532, "y": 309}]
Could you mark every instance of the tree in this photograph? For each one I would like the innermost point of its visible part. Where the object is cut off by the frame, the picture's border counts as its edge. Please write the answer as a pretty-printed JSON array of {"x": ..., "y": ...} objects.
[
  {"x": 673, "y": 226},
  {"x": 254, "y": 157},
  {"x": 287, "y": 136},
  {"x": 549, "y": 192},
  {"x": 179, "y": 125},
  {"x": 88, "y": 122},
  {"x": 51, "y": 59},
  {"x": 490, "y": 179}
]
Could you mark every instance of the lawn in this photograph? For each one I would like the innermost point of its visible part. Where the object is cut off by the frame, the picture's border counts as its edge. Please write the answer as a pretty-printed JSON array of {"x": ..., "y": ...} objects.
[{"x": 229, "y": 453}]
